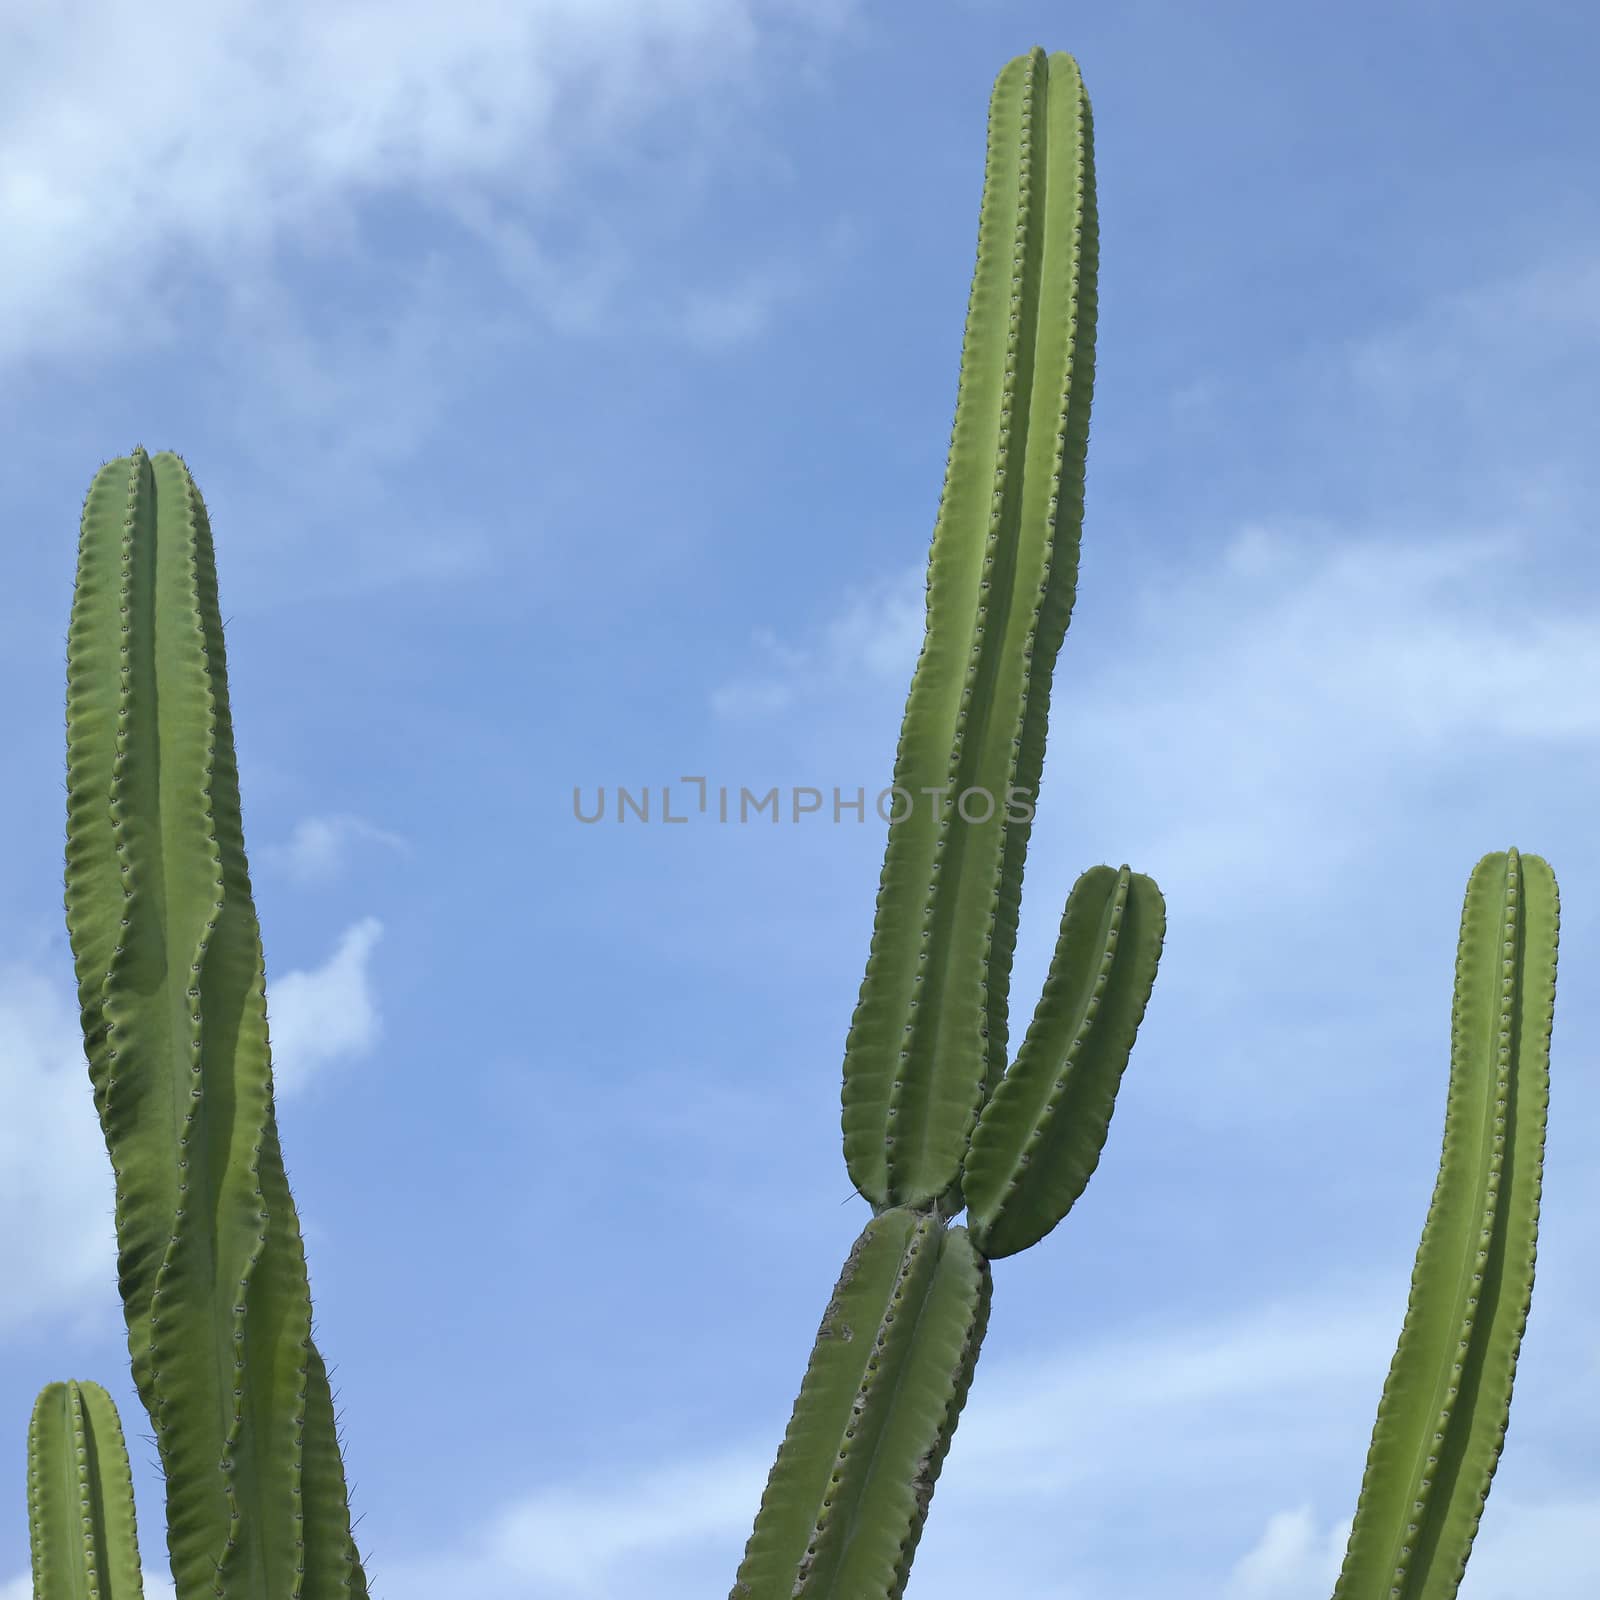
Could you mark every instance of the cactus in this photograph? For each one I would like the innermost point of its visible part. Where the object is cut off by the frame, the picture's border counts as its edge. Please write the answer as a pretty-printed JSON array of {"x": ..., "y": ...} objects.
[
  {"x": 1442, "y": 1419},
  {"x": 171, "y": 991},
  {"x": 81, "y": 1526},
  {"x": 934, "y": 1120}
]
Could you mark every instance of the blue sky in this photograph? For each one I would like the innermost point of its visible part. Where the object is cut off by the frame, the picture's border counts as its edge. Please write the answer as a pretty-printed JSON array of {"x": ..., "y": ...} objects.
[{"x": 569, "y": 384}]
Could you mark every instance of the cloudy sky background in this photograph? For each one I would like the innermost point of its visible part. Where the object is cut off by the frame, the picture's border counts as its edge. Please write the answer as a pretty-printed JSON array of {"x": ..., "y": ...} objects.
[{"x": 569, "y": 384}]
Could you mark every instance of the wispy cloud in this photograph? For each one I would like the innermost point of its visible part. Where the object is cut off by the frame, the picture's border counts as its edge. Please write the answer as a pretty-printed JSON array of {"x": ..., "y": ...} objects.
[
  {"x": 1287, "y": 690},
  {"x": 118, "y": 172},
  {"x": 746, "y": 306},
  {"x": 1283, "y": 689},
  {"x": 873, "y": 640},
  {"x": 1293, "y": 1561},
  {"x": 56, "y": 1188},
  {"x": 1464, "y": 343},
  {"x": 319, "y": 848},
  {"x": 1210, "y": 1417},
  {"x": 1480, "y": 397}
]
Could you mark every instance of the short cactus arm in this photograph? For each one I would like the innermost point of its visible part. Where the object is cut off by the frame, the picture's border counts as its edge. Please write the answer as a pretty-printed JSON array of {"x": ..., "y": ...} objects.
[
  {"x": 1040, "y": 1135},
  {"x": 82, "y": 1531},
  {"x": 171, "y": 987},
  {"x": 846, "y": 1501},
  {"x": 1442, "y": 1419},
  {"x": 928, "y": 1033}
]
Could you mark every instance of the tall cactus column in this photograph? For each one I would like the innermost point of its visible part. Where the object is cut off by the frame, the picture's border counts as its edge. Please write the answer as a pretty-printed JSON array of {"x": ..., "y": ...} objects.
[
  {"x": 934, "y": 1120},
  {"x": 1442, "y": 1418},
  {"x": 171, "y": 987}
]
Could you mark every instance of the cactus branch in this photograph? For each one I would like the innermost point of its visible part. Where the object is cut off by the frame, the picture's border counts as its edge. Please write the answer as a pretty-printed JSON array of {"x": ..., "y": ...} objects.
[
  {"x": 1039, "y": 1138},
  {"x": 82, "y": 1532},
  {"x": 1442, "y": 1419},
  {"x": 172, "y": 995}
]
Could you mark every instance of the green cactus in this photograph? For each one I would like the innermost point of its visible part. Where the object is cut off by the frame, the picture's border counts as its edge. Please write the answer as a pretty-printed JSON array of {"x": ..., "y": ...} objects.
[
  {"x": 1442, "y": 1419},
  {"x": 936, "y": 1120},
  {"x": 81, "y": 1526},
  {"x": 933, "y": 1118},
  {"x": 171, "y": 991}
]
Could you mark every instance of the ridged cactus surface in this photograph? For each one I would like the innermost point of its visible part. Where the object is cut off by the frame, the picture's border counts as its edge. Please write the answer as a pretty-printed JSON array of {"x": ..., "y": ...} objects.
[
  {"x": 82, "y": 1532},
  {"x": 1442, "y": 1419},
  {"x": 1040, "y": 1135},
  {"x": 171, "y": 988},
  {"x": 928, "y": 1040},
  {"x": 844, "y": 1507}
]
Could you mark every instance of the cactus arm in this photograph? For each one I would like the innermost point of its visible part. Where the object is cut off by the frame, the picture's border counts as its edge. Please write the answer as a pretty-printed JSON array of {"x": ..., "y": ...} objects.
[
  {"x": 82, "y": 1531},
  {"x": 846, "y": 1500},
  {"x": 1039, "y": 1137},
  {"x": 928, "y": 1032},
  {"x": 210, "y": 1262},
  {"x": 1442, "y": 1419}
]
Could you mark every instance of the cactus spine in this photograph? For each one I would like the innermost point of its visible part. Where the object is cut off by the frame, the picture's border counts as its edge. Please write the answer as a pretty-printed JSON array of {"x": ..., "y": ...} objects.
[
  {"x": 171, "y": 991},
  {"x": 933, "y": 1119},
  {"x": 1442, "y": 1419}
]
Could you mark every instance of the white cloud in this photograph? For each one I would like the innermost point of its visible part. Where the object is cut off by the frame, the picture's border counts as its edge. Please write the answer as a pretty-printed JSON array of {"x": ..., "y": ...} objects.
[
  {"x": 1290, "y": 690},
  {"x": 58, "y": 1246},
  {"x": 571, "y": 1537},
  {"x": 119, "y": 169},
  {"x": 1292, "y": 1561},
  {"x": 320, "y": 1015},
  {"x": 319, "y": 847}
]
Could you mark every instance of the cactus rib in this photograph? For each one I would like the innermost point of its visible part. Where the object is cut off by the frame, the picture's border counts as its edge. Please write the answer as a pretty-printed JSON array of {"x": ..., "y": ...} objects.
[
  {"x": 928, "y": 1036},
  {"x": 1442, "y": 1418},
  {"x": 82, "y": 1531},
  {"x": 167, "y": 946}
]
